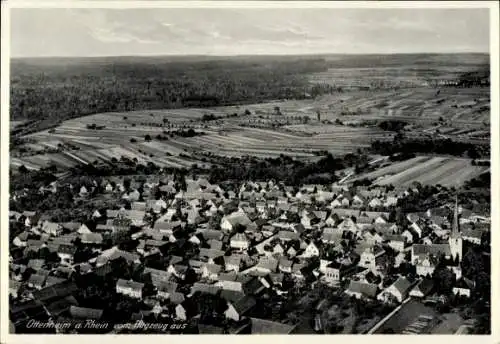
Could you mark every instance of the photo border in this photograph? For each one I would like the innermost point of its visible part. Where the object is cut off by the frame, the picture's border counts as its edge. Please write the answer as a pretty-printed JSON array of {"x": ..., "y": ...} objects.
[{"x": 218, "y": 339}]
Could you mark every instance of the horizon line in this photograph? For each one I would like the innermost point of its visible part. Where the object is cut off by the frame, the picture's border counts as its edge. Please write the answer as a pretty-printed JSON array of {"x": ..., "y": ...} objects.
[{"x": 254, "y": 55}]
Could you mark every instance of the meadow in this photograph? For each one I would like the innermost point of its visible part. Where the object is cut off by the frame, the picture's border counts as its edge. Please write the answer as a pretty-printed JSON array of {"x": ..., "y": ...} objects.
[{"x": 427, "y": 170}]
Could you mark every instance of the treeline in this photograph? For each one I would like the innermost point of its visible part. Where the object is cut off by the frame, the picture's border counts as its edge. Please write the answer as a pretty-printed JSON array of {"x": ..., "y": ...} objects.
[
  {"x": 290, "y": 171},
  {"x": 392, "y": 125},
  {"x": 51, "y": 92},
  {"x": 430, "y": 146},
  {"x": 481, "y": 181},
  {"x": 173, "y": 133}
]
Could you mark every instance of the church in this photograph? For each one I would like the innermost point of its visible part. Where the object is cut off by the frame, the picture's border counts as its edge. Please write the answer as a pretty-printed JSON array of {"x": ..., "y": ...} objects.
[{"x": 426, "y": 257}]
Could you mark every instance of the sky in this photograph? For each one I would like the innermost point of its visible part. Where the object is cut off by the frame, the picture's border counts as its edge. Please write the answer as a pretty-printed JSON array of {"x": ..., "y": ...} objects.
[{"x": 194, "y": 31}]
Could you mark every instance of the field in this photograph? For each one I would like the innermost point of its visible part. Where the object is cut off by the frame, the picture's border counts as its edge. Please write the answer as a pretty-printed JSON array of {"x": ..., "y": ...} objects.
[
  {"x": 224, "y": 137},
  {"x": 426, "y": 170},
  {"x": 307, "y": 105}
]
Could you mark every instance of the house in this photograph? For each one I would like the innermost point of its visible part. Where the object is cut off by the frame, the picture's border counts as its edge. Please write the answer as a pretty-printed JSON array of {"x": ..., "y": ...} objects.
[
  {"x": 186, "y": 310},
  {"x": 423, "y": 288},
  {"x": 473, "y": 236},
  {"x": 426, "y": 265},
  {"x": 229, "y": 222},
  {"x": 309, "y": 219},
  {"x": 390, "y": 200},
  {"x": 204, "y": 288},
  {"x": 348, "y": 224},
  {"x": 285, "y": 236},
  {"x": 261, "y": 207},
  {"x": 212, "y": 235},
  {"x": 21, "y": 240},
  {"x": 362, "y": 290},
  {"x": 14, "y": 287},
  {"x": 239, "y": 241},
  {"x": 166, "y": 228},
  {"x": 292, "y": 252},
  {"x": 237, "y": 309},
  {"x": 196, "y": 239},
  {"x": 396, "y": 242},
  {"x": 193, "y": 216},
  {"x": 215, "y": 244},
  {"x": 232, "y": 263},
  {"x": 156, "y": 276},
  {"x": 408, "y": 236},
  {"x": 358, "y": 201},
  {"x": 333, "y": 271},
  {"x": 400, "y": 258},
  {"x": 463, "y": 287},
  {"x": 336, "y": 203},
  {"x": 262, "y": 326},
  {"x": 311, "y": 250},
  {"x": 66, "y": 253},
  {"x": 37, "y": 281},
  {"x": 115, "y": 253},
  {"x": 108, "y": 188},
  {"x": 419, "y": 227},
  {"x": 36, "y": 264},
  {"x": 85, "y": 313},
  {"x": 285, "y": 265},
  {"x": 346, "y": 201},
  {"x": 83, "y": 191},
  {"x": 83, "y": 229},
  {"x": 372, "y": 258},
  {"x": 232, "y": 281},
  {"x": 129, "y": 288},
  {"x": 165, "y": 288},
  {"x": 51, "y": 228},
  {"x": 371, "y": 237},
  {"x": 397, "y": 291},
  {"x": 278, "y": 249},
  {"x": 210, "y": 255},
  {"x": 91, "y": 238},
  {"x": 266, "y": 265},
  {"x": 178, "y": 270},
  {"x": 211, "y": 271},
  {"x": 375, "y": 203}
]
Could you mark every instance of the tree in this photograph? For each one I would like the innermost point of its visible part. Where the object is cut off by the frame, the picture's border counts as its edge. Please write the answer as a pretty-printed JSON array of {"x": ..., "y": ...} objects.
[
  {"x": 443, "y": 279},
  {"x": 147, "y": 138},
  {"x": 22, "y": 169}
]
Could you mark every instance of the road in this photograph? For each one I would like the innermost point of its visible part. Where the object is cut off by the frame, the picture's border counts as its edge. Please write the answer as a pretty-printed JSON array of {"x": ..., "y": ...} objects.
[{"x": 381, "y": 322}]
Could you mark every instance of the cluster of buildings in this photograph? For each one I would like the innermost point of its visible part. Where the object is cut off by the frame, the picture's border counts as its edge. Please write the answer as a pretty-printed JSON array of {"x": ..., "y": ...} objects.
[{"x": 240, "y": 244}]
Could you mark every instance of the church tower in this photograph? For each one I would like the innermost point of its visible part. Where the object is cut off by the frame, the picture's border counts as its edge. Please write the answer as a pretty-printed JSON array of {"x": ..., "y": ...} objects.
[{"x": 455, "y": 240}]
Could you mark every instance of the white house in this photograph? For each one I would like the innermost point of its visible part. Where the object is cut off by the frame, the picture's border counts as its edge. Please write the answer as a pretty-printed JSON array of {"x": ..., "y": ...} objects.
[
  {"x": 361, "y": 290},
  {"x": 463, "y": 287},
  {"x": 239, "y": 241},
  {"x": 311, "y": 251},
  {"x": 129, "y": 288},
  {"x": 397, "y": 291}
]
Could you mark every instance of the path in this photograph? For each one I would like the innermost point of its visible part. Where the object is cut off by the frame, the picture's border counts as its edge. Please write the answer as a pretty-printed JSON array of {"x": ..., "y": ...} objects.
[{"x": 381, "y": 322}]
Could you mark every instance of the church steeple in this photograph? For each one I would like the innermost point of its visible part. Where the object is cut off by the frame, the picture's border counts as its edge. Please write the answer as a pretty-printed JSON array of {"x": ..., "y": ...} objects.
[
  {"x": 455, "y": 239},
  {"x": 455, "y": 229}
]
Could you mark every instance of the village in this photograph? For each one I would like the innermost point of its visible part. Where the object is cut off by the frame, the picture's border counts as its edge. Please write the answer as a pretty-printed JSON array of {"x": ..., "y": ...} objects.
[{"x": 248, "y": 257}]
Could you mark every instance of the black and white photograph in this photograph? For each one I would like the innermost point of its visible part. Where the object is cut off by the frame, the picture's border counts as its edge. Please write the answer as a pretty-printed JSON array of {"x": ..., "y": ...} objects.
[{"x": 319, "y": 169}]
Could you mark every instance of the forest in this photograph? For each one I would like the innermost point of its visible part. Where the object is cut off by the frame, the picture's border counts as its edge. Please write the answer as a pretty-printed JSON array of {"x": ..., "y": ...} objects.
[{"x": 46, "y": 93}]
